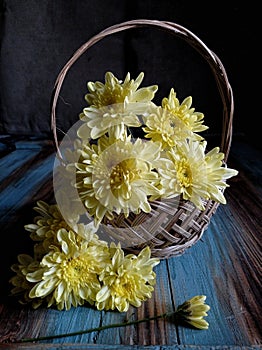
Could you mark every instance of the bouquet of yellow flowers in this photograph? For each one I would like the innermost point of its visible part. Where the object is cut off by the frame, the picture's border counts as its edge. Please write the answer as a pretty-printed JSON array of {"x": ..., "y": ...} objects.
[
  {"x": 129, "y": 156},
  {"x": 132, "y": 162},
  {"x": 117, "y": 172}
]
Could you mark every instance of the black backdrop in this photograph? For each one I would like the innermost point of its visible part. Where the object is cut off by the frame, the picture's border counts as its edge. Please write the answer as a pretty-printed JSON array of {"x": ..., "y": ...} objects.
[{"x": 39, "y": 36}]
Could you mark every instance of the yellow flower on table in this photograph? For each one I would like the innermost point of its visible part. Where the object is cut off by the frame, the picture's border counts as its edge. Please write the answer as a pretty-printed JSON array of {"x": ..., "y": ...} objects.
[
  {"x": 68, "y": 274},
  {"x": 21, "y": 286},
  {"x": 128, "y": 280},
  {"x": 45, "y": 227},
  {"x": 193, "y": 312},
  {"x": 47, "y": 222}
]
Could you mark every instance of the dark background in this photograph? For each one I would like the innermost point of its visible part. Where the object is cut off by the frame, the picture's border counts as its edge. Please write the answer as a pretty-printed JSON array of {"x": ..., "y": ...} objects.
[{"x": 39, "y": 36}]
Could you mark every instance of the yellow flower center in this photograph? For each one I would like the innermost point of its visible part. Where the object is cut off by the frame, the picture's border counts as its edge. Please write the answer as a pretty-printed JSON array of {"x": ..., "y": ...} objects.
[
  {"x": 184, "y": 174},
  {"x": 123, "y": 174},
  {"x": 124, "y": 287},
  {"x": 110, "y": 97},
  {"x": 56, "y": 224},
  {"x": 77, "y": 271}
]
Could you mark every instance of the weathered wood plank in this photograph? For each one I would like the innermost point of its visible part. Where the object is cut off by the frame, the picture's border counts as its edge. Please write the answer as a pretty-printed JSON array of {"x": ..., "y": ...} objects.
[
  {"x": 19, "y": 190},
  {"x": 74, "y": 346},
  {"x": 13, "y": 161},
  {"x": 212, "y": 268}
]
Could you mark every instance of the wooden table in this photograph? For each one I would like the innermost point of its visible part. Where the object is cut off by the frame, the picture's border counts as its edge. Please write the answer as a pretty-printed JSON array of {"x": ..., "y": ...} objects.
[{"x": 225, "y": 265}]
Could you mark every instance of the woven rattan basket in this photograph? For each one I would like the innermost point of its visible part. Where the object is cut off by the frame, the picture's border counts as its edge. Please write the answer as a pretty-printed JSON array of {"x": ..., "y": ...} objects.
[{"x": 173, "y": 226}]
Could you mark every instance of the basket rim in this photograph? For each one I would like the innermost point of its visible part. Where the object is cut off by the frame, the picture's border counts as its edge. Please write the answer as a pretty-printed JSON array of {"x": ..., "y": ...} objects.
[{"x": 193, "y": 40}]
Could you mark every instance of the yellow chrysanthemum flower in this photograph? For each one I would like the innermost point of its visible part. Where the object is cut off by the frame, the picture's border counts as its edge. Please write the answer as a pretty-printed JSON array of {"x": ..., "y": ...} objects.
[
  {"x": 164, "y": 127},
  {"x": 45, "y": 227},
  {"x": 194, "y": 174},
  {"x": 116, "y": 176},
  {"x": 192, "y": 120},
  {"x": 193, "y": 312},
  {"x": 47, "y": 223},
  {"x": 68, "y": 275},
  {"x": 114, "y": 105},
  {"x": 26, "y": 264},
  {"x": 115, "y": 91},
  {"x": 128, "y": 280}
]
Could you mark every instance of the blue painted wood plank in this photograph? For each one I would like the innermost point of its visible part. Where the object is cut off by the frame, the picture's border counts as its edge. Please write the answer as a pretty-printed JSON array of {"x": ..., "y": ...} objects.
[
  {"x": 72, "y": 320},
  {"x": 13, "y": 197},
  {"x": 34, "y": 143},
  {"x": 123, "y": 347},
  {"x": 212, "y": 267},
  {"x": 14, "y": 161},
  {"x": 88, "y": 346},
  {"x": 17, "y": 200}
]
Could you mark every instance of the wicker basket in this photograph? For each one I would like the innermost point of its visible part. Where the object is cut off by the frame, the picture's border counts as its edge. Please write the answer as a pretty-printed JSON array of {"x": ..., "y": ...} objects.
[{"x": 173, "y": 226}]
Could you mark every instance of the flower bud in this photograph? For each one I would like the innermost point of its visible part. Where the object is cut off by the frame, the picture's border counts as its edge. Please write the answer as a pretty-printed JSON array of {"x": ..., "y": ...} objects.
[{"x": 193, "y": 311}]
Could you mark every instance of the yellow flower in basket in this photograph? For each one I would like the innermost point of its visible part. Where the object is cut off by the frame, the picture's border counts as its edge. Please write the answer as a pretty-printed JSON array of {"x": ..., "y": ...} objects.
[
  {"x": 119, "y": 173},
  {"x": 114, "y": 105},
  {"x": 116, "y": 176},
  {"x": 189, "y": 171},
  {"x": 192, "y": 119}
]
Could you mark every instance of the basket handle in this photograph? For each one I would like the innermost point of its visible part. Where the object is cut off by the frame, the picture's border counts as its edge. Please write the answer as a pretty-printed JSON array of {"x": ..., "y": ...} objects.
[{"x": 214, "y": 62}]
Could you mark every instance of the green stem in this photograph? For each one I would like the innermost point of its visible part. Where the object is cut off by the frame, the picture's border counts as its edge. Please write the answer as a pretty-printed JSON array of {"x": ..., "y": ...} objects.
[{"x": 96, "y": 329}]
